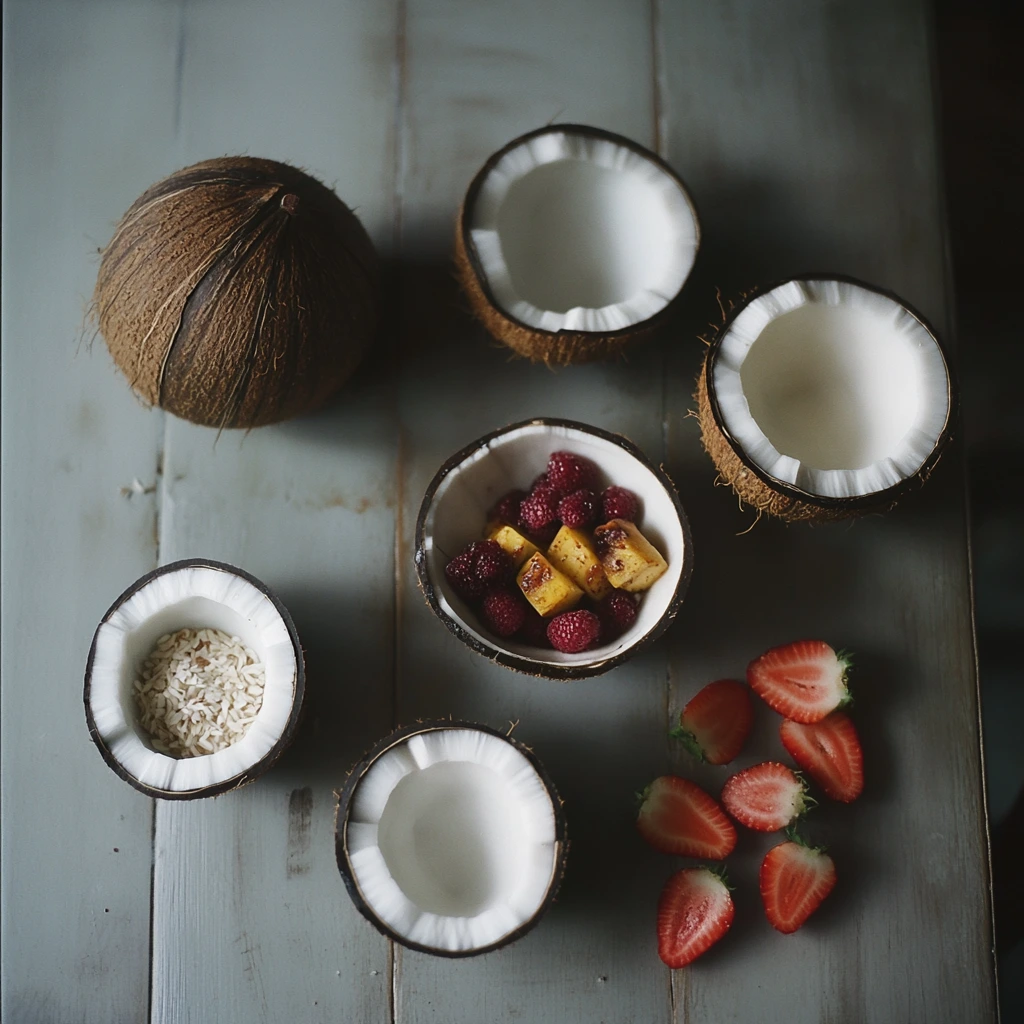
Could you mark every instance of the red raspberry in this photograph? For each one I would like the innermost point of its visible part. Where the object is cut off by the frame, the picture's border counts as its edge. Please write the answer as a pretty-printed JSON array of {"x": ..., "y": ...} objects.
[
  {"x": 535, "y": 631},
  {"x": 507, "y": 508},
  {"x": 568, "y": 472},
  {"x": 618, "y": 503},
  {"x": 539, "y": 481},
  {"x": 617, "y": 613},
  {"x": 579, "y": 509},
  {"x": 504, "y": 612},
  {"x": 461, "y": 574},
  {"x": 490, "y": 563},
  {"x": 572, "y": 632},
  {"x": 539, "y": 510}
]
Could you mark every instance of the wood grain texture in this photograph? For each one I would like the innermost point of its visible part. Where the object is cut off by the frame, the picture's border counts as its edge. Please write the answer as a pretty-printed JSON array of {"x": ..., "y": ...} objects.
[{"x": 251, "y": 920}]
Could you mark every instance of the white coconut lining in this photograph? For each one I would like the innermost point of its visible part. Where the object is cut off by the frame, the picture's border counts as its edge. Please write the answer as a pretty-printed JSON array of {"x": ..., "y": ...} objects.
[
  {"x": 191, "y": 597},
  {"x": 579, "y": 233},
  {"x": 831, "y": 387},
  {"x": 458, "y": 513},
  {"x": 451, "y": 839}
]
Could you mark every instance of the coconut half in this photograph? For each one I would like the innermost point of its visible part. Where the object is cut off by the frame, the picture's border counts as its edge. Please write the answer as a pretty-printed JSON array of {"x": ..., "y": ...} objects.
[
  {"x": 451, "y": 838},
  {"x": 193, "y": 594},
  {"x": 454, "y": 512},
  {"x": 573, "y": 242},
  {"x": 823, "y": 397}
]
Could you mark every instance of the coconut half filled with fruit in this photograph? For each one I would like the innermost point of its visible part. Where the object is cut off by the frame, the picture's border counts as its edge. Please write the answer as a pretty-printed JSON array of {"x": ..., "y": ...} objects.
[
  {"x": 451, "y": 838},
  {"x": 822, "y": 398},
  {"x": 573, "y": 242},
  {"x": 194, "y": 682},
  {"x": 553, "y": 548}
]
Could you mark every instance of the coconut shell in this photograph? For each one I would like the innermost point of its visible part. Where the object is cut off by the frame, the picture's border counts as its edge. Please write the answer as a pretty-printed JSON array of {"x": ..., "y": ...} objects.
[
  {"x": 554, "y": 348},
  {"x": 777, "y": 498},
  {"x": 237, "y": 292}
]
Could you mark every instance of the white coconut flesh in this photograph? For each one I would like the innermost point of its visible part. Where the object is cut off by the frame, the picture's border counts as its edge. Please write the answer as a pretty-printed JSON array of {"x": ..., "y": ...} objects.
[
  {"x": 458, "y": 513},
  {"x": 189, "y": 598},
  {"x": 451, "y": 839},
  {"x": 831, "y": 387},
  {"x": 579, "y": 233}
]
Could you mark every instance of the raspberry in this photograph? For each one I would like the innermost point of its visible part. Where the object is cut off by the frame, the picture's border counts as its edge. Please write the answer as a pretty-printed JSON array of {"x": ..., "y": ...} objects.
[
  {"x": 534, "y": 631},
  {"x": 546, "y": 534},
  {"x": 490, "y": 563},
  {"x": 539, "y": 481},
  {"x": 572, "y": 632},
  {"x": 579, "y": 509},
  {"x": 507, "y": 508},
  {"x": 504, "y": 612},
  {"x": 617, "y": 613},
  {"x": 461, "y": 574},
  {"x": 540, "y": 509},
  {"x": 568, "y": 472},
  {"x": 618, "y": 503}
]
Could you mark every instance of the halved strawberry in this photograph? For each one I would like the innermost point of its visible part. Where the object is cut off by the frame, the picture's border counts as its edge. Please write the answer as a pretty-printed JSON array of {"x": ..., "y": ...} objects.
[
  {"x": 767, "y": 797},
  {"x": 803, "y": 681},
  {"x": 716, "y": 723},
  {"x": 829, "y": 751},
  {"x": 677, "y": 816},
  {"x": 795, "y": 878},
  {"x": 694, "y": 912}
]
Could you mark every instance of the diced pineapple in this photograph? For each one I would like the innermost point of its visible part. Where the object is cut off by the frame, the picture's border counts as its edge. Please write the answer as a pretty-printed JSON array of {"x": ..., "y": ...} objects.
[
  {"x": 572, "y": 552},
  {"x": 547, "y": 589},
  {"x": 512, "y": 542},
  {"x": 629, "y": 559}
]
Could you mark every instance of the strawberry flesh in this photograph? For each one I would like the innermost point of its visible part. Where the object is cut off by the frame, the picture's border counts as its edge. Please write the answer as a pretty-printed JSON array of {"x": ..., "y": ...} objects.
[
  {"x": 829, "y": 751},
  {"x": 715, "y": 725},
  {"x": 794, "y": 881},
  {"x": 694, "y": 912},
  {"x": 766, "y": 797},
  {"x": 678, "y": 817},
  {"x": 803, "y": 681}
]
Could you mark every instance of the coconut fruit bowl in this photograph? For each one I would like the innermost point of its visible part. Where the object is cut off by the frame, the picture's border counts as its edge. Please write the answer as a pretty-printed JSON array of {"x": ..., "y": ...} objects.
[
  {"x": 450, "y": 838},
  {"x": 568, "y": 597},
  {"x": 823, "y": 397},
  {"x": 194, "y": 682},
  {"x": 573, "y": 243}
]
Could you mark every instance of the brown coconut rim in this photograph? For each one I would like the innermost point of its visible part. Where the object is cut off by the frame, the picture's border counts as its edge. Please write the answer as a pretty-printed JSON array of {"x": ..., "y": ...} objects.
[
  {"x": 237, "y": 292},
  {"x": 343, "y": 808},
  {"x": 271, "y": 757},
  {"x": 514, "y": 661},
  {"x": 766, "y": 493},
  {"x": 554, "y": 348}
]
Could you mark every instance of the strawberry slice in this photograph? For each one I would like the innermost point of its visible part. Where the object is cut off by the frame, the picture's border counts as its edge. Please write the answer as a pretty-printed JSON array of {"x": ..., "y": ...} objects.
[
  {"x": 716, "y": 723},
  {"x": 803, "y": 681},
  {"x": 829, "y": 751},
  {"x": 694, "y": 912},
  {"x": 677, "y": 816},
  {"x": 795, "y": 879},
  {"x": 766, "y": 797}
]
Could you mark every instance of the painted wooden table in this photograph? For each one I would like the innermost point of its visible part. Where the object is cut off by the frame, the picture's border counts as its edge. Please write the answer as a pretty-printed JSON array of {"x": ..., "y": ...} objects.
[{"x": 805, "y": 129}]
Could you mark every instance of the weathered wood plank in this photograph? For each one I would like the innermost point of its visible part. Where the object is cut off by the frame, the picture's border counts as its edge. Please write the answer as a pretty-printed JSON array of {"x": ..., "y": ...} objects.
[
  {"x": 806, "y": 131},
  {"x": 249, "y": 879},
  {"x": 477, "y": 76}
]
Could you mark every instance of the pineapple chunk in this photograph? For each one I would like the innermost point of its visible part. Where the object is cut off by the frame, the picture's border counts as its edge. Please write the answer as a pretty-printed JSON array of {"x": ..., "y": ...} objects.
[
  {"x": 547, "y": 589},
  {"x": 629, "y": 559},
  {"x": 512, "y": 542},
  {"x": 572, "y": 552}
]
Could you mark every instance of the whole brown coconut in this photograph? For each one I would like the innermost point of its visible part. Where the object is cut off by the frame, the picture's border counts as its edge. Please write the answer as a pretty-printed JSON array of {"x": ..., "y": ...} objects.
[{"x": 237, "y": 292}]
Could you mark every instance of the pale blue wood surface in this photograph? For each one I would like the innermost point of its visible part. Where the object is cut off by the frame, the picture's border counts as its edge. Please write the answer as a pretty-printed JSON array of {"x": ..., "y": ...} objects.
[{"x": 805, "y": 130}]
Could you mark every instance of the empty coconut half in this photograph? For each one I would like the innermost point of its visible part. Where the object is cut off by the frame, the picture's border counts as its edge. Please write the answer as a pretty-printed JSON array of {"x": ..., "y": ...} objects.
[
  {"x": 194, "y": 682},
  {"x": 823, "y": 397},
  {"x": 573, "y": 242},
  {"x": 455, "y": 511},
  {"x": 451, "y": 838}
]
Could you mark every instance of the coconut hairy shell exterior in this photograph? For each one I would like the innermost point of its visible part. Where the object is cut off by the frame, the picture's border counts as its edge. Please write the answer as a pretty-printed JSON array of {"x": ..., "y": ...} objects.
[
  {"x": 554, "y": 348},
  {"x": 778, "y": 498},
  {"x": 237, "y": 292}
]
